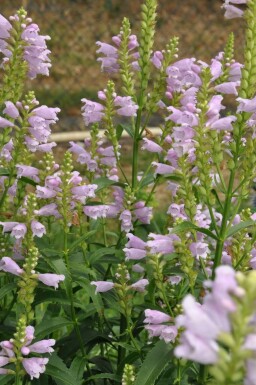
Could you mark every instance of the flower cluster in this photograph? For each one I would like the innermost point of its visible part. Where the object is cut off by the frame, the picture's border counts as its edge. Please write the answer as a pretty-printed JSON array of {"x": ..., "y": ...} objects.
[{"x": 34, "y": 366}]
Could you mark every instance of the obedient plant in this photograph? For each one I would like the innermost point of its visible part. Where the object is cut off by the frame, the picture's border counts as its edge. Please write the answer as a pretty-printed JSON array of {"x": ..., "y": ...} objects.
[{"x": 101, "y": 281}]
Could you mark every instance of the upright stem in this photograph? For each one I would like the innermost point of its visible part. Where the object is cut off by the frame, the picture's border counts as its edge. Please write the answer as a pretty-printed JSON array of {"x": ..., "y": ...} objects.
[
  {"x": 71, "y": 297},
  {"x": 136, "y": 140},
  {"x": 226, "y": 212}
]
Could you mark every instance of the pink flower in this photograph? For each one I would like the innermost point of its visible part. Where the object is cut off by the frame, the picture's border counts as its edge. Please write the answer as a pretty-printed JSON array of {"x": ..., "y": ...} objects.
[
  {"x": 157, "y": 59},
  {"x": 27, "y": 171},
  {"x": 19, "y": 231},
  {"x": 142, "y": 213},
  {"x": 43, "y": 346},
  {"x": 48, "y": 210},
  {"x": 5, "y": 123},
  {"x": 102, "y": 286},
  {"x": 9, "y": 266},
  {"x": 38, "y": 229},
  {"x": 224, "y": 124},
  {"x": 8, "y": 226},
  {"x": 246, "y": 105},
  {"x": 227, "y": 88},
  {"x": 232, "y": 12},
  {"x": 126, "y": 221},
  {"x": 11, "y": 110},
  {"x": 51, "y": 279},
  {"x": 34, "y": 366},
  {"x": 169, "y": 333},
  {"x": 140, "y": 285},
  {"x": 156, "y": 317},
  {"x": 134, "y": 254},
  {"x": 97, "y": 211},
  {"x": 127, "y": 106},
  {"x": 199, "y": 249},
  {"x": 135, "y": 242},
  {"x": 45, "y": 193},
  {"x": 163, "y": 169},
  {"x": 5, "y": 27},
  {"x": 92, "y": 112},
  {"x": 151, "y": 146}
]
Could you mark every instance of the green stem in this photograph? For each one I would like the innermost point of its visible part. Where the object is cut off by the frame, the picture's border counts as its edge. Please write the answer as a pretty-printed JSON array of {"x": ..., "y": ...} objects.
[
  {"x": 135, "y": 151},
  {"x": 203, "y": 372},
  {"x": 70, "y": 294},
  {"x": 222, "y": 233}
]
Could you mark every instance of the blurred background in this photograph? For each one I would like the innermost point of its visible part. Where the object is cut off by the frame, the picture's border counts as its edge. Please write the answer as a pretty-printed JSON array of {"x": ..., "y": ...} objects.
[{"x": 75, "y": 26}]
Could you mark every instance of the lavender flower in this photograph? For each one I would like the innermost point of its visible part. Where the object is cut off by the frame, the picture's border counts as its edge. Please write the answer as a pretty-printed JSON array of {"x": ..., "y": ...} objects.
[
  {"x": 9, "y": 266},
  {"x": 127, "y": 106},
  {"x": 92, "y": 112},
  {"x": 38, "y": 229},
  {"x": 11, "y": 110},
  {"x": 97, "y": 211},
  {"x": 126, "y": 221},
  {"x": 51, "y": 279},
  {"x": 34, "y": 366},
  {"x": 102, "y": 286},
  {"x": 140, "y": 285},
  {"x": 19, "y": 231},
  {"x": 151, "y": 146},
  {"x": 156, "y": 317}
]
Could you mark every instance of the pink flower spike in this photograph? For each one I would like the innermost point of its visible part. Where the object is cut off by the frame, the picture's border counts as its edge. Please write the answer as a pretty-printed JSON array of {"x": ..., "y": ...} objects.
[
  {"x": 34, "y": 366},
  {"x": 102, "y": 286},
  {"x": 9, "y": 266},
  {"x": 51, "y": 279}
]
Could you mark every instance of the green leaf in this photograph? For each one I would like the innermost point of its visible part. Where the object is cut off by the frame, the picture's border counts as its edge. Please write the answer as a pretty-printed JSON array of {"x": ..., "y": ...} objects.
[
  {"x": 50, "y": 325},
  {"x": 109, "y": 376},
  {"x": 6, "y": 379},
  {"x": 48, "y": 295},
  {"x": 82, "y": 239},
  {"x": 77, "y": 368},
  {"x": 96, "y": 255},
  {"x": 240, "y": 226},
  {"x": 7, "y": 289},
  {"x": 154, "y": 364},
  {"x": 150, "y": 178},
  {"x": 59, "y": 372},
  {"x": 174, "y": 177},
  {"x": 105, "y": 182},
  {"x": 128, "y": 129},
  {"x": 119, "y": 131},
  {"x": 188, "y": 226},
  {"x": 28, "y": 181},
  {"x": 4, "y": 172}
]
